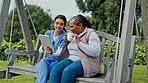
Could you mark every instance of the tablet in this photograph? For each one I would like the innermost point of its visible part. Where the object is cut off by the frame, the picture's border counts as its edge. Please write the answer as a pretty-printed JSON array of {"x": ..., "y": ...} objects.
[{"x": 45, "y": 40}]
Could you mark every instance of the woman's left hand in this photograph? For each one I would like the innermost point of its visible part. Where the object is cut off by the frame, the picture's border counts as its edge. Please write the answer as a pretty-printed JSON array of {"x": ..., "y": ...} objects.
[
  {"x": 77, "y": 38},
  {"x": 49, "y": 50}
]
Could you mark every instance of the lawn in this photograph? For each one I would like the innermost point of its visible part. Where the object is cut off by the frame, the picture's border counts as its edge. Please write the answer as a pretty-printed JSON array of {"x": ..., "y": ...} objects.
[
  {"x": 16, "y": 79},
  {"x": 139, "y": 74}
]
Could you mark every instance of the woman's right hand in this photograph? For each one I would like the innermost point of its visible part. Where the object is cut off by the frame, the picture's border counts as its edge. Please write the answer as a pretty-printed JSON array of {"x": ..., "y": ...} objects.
[{"x": 65, "y": 38}]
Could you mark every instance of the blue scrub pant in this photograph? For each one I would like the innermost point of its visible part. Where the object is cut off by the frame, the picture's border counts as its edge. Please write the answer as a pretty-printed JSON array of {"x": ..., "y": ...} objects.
[
  {"x": 43, "y": 68},
  {"x": 66, "y": 71}
]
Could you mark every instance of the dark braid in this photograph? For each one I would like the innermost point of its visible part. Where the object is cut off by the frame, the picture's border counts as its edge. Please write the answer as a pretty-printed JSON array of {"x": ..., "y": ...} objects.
[{"x": 81, "y": 19}]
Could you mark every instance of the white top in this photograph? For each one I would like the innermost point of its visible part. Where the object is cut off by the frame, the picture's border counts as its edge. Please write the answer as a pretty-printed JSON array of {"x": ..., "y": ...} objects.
[{"x": 93, "y": 49}]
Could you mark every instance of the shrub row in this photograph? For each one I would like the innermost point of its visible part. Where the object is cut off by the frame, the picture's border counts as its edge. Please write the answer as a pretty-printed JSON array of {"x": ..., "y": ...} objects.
[
  {"x": 140, "y": 58},
  {"x": 21, "y": 45}
]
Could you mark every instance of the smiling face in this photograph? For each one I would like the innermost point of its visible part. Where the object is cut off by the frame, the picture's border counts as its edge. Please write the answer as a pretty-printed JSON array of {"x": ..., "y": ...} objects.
[
  {"x": 59, "y": 24},
  {"x": 76, "y": 29}
]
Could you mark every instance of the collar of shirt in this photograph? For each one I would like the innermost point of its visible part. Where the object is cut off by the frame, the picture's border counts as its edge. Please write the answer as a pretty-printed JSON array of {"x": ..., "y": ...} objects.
[{"x": 82, "y": 32}]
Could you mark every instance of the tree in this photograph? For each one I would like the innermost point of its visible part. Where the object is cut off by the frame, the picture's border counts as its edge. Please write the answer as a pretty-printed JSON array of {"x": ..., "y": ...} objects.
[
  {"x": 105, "y": 13},
  {"x": 40, "y": 18}
]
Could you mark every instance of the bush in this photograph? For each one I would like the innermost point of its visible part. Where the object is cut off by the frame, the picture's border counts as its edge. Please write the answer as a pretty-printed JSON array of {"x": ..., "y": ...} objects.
[
  {"x": 21, "y": 45},
  {"x": 140, "y": 58},
  {"x": 3, "y": 46}
]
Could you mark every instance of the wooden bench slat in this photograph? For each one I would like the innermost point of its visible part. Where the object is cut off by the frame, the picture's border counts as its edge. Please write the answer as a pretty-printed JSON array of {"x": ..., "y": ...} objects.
[
  {"x": 24, "y": 70},
  {"x": 90, "y": 80},
  {"x": 102, "y": 49},
  {"x": 109, "y": 49},
  {"x": 107, "y": 36},
  {"x": 18, "y": 52}
]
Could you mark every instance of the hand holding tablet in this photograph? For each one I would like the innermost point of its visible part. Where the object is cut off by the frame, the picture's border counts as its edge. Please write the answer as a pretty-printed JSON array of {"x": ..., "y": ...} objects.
[{"x": 46, "y": 42}]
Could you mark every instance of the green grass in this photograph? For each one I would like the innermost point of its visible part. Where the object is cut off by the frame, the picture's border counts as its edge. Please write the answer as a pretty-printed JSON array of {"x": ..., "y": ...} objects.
[
  {"x": 16, "y": 79},
  {"x": 139, "y": 74}
]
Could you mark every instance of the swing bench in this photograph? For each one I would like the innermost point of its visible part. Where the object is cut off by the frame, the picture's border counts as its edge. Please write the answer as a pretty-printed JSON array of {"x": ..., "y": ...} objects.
[
  {"x": 108, "y": 50},
  {"x": 107, "y": 58}
]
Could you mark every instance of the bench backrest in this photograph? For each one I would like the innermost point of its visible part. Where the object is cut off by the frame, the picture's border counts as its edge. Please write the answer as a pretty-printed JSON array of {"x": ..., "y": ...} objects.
[
  {"x": 109, "y": 49},
  {"x": 108, "y": 46}
]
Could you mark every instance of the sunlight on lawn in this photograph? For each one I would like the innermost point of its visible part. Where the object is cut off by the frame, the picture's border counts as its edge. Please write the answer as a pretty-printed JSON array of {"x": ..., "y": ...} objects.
[{"x": 139, "y": 74}]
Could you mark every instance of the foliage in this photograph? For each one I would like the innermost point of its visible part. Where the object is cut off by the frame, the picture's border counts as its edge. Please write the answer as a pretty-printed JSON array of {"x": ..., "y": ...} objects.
[
  {"x": 140, "y": 58},
  {"x": 21, "y": 45},
  {"x": 4, "y": 46},
  {"x": 105, "y": 13},
  {"x": 18, "y": 45},
  {"x": 106, "y": 49},
  {"x": 40, "y": 18}
]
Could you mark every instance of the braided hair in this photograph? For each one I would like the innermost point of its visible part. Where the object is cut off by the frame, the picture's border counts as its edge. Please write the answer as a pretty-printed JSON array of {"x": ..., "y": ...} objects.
[{"x": 81, "y": 19}]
